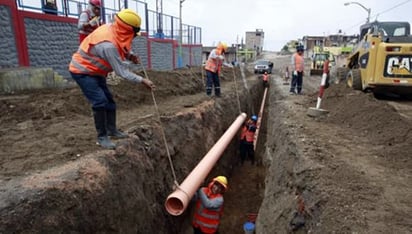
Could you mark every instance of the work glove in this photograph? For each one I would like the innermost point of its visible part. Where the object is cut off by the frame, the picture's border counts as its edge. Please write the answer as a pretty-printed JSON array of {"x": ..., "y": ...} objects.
[
  {"x": 148, "y": 83},
  {"x": 295, "y": 73},
  {"x": 95, "y": 21}
]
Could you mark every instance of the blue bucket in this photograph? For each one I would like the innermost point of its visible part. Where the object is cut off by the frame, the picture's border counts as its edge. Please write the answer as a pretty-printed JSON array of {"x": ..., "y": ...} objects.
[{"x": 249, "y": 228}]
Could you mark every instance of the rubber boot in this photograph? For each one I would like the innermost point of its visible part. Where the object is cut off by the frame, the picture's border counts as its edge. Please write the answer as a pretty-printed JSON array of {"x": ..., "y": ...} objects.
[
  {"x": 111, "y": 126},
  {"x": 100, "y": 124}
]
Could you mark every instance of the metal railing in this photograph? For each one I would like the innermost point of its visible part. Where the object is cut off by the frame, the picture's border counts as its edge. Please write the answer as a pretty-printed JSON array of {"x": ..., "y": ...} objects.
[{"x": 156, "y": 25}]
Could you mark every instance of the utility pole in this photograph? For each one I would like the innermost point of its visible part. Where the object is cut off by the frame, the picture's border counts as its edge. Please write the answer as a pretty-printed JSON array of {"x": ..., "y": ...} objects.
[{"x": 180, "y": 57}]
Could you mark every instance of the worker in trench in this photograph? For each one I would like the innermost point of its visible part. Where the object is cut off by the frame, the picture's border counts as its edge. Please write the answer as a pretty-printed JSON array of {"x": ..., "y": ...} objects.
[
  {"x": 103, "y": 51},
  {"x": 89, "y": 19},
  {"x": 265, "y": 80},
  {"x": 247, "y": 135},
  {"x": 209, "y": 206}
]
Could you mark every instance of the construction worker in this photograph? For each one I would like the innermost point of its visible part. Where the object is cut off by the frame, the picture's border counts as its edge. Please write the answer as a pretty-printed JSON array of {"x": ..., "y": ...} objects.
[
  {"x": 209, "y": 206},
  {"x": 89, "y": 19},
  {"x": 265, "y": 80},
  {"x": 100, "y": 53},
  {"x": 298, "y": 65},
  {"x": 213, "y": 66},
  {"x": 247, "y": 136}
]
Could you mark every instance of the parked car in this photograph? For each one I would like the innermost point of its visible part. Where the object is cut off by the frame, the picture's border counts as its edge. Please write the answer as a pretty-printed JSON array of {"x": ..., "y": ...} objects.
[{"x": 262, "y": 66}]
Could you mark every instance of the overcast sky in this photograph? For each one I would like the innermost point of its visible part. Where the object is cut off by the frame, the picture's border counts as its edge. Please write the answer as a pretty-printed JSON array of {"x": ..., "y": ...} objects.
[{"x": 281, "y": 20}]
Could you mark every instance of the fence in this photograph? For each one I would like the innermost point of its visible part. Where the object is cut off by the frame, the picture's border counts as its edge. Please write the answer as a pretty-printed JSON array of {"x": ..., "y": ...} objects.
[{"x": 155, "y": 24}]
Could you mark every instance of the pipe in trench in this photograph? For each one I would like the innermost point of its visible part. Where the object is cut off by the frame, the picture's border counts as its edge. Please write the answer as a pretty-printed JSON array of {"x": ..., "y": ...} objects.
[
  {"x": 176, "y": 203},
  {"x": 260, "y": 115}
]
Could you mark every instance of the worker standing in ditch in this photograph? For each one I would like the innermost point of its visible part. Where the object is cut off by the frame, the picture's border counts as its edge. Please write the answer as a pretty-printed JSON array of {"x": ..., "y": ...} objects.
[
  {"x": 247, "y": 136},
  {"x": 213, "y": 66},
  {"x": 265, "y": 80},
  {"x": 89, "y": 19},
  {"x": 298, "y": 65},
  {"x": 209, "y": 206},
  {"x": 103, "y": 51}
]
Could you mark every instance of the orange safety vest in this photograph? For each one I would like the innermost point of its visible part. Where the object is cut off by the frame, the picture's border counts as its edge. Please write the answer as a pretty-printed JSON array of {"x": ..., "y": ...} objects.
[
  {"x": 250, "y": 136},
  {"x": 83, "y": 62},
  {"x": 243, "y": 132},
  {"x": 213, "y": 64},
  {"x": 265, "y": 77},
  {"x": 299, "y": 62},
  {"x": 205, "y": 219}
]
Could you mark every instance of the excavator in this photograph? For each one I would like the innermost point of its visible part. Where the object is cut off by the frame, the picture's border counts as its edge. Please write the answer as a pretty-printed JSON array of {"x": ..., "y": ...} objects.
[
  {"x": 318, "y": 61},
  {"x": 382, "y": 61}
]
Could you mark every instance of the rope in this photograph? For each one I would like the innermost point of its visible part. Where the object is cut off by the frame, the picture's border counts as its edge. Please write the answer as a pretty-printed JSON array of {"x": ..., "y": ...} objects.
[
  {"x": 237, "y": 92},
  {"x": 163, "y": 132}
]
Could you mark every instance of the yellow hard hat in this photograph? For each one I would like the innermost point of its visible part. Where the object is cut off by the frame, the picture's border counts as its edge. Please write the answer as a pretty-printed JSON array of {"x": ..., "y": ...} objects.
[
  {"x": 131, "y": 18},
  {"x": 221, "y": 180},
  {"x": 222, "y": 45}
]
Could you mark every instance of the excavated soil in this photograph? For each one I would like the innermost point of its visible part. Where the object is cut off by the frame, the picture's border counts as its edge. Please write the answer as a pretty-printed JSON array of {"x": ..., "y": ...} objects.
[{"x": 346, "y": 172}]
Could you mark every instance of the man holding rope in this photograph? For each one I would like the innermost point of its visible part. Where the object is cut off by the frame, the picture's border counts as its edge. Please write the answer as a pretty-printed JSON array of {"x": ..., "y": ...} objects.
[{"x": 103, "y": 51}]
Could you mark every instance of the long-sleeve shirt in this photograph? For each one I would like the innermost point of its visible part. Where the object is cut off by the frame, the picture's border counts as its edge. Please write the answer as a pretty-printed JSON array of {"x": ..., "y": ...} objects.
[
  {"x": 107, "y": 51},
  {"x": 213, "y": 203}
]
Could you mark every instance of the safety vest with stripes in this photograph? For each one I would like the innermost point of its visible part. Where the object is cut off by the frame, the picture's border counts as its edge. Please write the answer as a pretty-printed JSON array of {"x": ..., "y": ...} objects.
[
  {"x": 213, "y": 64},
  {"x": 250, "y": 135},
  {"x": 265, "y": 77},
  {"x": 207, "y": 219},
  {"x": 83, "y": 62}
]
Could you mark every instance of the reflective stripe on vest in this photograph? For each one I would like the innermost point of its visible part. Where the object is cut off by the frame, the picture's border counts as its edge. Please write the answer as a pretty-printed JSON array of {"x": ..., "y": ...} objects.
[
  {"x": 207, "y": 219},
  {"x": 299, "y": 63},
  {"x": 85, "y": 63},
  {"x": 243, "y": 133}
]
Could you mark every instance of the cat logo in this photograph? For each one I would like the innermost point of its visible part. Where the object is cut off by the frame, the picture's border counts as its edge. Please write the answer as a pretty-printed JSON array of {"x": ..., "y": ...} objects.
[{"x": 398, "y": 66}]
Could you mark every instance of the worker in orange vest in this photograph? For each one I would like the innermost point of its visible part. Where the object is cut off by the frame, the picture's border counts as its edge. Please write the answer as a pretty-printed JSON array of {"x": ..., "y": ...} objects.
[
  {"x": 89, "y": 19},
  {"x": 209, "y": 206},
  {"x": 247, "y": 136},
  {"x": 265, "y": 80},
  {"x": 103, "y": 51},
  {"x": 298, "y": 65},
  {"x": 213, "y": 66}
]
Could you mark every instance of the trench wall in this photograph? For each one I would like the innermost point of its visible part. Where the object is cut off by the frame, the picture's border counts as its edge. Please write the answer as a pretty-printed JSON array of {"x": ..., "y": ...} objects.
[
  {"x": 47, "y": 41},
  {"x": 289, "y": 182},
  {"x": 124, "y": 191}
]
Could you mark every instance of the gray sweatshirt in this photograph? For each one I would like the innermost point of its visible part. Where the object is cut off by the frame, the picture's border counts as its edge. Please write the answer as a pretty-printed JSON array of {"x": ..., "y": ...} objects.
[{"x": 107, "y": 51}]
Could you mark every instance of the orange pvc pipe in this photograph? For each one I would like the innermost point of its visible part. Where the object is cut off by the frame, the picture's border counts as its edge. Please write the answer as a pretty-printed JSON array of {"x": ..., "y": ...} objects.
[
  {"x": 262, "y": 107},
  {"x": 177, "y": 201}
]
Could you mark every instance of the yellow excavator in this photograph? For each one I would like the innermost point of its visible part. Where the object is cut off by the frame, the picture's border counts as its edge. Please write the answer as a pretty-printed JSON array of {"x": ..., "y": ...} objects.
[
  {"x": 382, "y": 61},
  {"x": 318, "y": 60}
]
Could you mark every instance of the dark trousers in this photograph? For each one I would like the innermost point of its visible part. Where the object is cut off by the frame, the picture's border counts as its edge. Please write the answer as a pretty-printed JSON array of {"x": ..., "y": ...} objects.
[
  {"x": 212, "y": 79},
  {"x": 246, "y": 150},
  {"x": 96, "y": 91},
  {"x": 297, "y": 83}
]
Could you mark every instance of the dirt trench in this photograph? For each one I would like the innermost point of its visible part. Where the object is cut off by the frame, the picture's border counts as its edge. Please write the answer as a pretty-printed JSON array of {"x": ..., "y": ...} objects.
[{"x": 84, "y": 189}]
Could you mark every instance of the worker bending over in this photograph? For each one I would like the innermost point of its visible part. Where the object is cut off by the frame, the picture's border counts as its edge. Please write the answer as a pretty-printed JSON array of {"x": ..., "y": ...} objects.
[{"x": 103, "y": 51}]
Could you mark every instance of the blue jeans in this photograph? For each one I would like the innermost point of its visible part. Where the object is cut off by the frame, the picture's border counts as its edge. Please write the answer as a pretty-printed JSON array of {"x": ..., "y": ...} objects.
[
  {"x": 212, "y": 80},
  {"x": 96, "y": 91}
]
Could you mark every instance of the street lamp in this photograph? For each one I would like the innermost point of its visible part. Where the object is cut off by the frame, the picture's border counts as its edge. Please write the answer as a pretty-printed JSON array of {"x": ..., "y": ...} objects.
[
  {"x": 366, "y": 9},
  {"x": 180, "y": 56}
]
